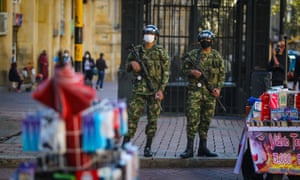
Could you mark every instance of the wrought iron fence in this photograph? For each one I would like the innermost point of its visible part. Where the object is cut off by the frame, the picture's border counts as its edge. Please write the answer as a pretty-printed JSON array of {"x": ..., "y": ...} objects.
[{"x": 179, "y": 22}]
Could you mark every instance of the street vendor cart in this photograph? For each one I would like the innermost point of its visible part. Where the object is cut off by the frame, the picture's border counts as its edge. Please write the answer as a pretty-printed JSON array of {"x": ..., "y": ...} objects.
[
  {"x": 270, "y": 142},
  {"x": 75, "y": 134}
]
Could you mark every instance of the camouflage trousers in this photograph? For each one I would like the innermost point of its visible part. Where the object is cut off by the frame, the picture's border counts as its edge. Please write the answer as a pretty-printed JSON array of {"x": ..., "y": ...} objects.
[
  {"x": 136, "y": 109},
  {"x": 200, "y": 111}
]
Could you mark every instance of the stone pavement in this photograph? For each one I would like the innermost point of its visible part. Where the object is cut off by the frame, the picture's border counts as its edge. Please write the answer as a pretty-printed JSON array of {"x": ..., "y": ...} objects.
[{"x": 170, "y": 140}]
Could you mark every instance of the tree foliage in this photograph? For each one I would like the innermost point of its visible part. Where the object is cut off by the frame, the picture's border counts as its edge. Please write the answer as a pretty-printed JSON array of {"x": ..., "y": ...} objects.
[{"x": 293, "y": 7}]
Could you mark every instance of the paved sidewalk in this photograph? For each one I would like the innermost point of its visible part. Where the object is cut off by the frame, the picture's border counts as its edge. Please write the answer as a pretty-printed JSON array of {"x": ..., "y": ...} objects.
[{"x": 170, "y": 140}]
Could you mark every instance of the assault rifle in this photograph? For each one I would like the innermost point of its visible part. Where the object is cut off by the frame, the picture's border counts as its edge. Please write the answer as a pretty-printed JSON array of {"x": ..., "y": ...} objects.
[
  {"x": 205, "y": 82},
  {"x": 144, "y": 72}
]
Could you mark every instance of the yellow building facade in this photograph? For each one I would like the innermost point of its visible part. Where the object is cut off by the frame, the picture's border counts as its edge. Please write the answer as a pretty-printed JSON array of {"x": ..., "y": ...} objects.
[{"x": 30, "y": 26}]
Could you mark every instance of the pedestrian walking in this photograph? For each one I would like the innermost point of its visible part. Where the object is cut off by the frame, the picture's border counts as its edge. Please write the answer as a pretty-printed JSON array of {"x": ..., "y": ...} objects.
[
  {"x": 204, "y": 69},
  {"x": 44, "y": 65},
  {"x": 88, "y": 64},
  {"x": 68, "y": 59},
  {"x": 101, "y": 66},
  {"x": 150, "y": 64},
  {"x": 14, "y": 76}
]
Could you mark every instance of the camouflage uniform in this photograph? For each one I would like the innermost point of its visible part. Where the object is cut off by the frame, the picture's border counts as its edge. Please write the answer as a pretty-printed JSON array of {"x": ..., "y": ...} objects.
[
  {"x": 200, "y": 102},
  {"x": 157, "y": 62}
]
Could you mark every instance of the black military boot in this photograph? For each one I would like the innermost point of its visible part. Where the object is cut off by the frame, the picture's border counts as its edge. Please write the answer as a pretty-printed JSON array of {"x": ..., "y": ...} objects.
[
  {"x": 203, "y": 151},
  {"x": 126, "y": 139},
  {"x": 147, "y": 150},
  {"x": 189, "y": 151}
]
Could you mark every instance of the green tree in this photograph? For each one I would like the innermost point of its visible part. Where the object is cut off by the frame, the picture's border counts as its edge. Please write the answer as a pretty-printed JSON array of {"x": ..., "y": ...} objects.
[{"x": 292, "y": 26}]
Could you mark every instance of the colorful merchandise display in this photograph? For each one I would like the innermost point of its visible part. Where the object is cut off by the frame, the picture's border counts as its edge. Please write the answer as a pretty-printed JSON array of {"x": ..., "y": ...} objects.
[
  {"x": 275, "y": 107},
  {"x": 76, "y": 136},
  {"x": 272, "y": 133},
  {"x": 103, "y": 124}
]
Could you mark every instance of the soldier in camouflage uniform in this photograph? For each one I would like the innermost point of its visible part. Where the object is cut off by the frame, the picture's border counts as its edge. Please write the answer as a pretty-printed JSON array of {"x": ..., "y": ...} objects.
[
  {"x": 204, "y": 69},
  {"x": 157, "y": 64}
]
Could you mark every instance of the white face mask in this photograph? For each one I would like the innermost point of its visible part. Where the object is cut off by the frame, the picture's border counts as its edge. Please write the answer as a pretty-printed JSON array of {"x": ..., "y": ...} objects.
[
  {"x": 149, "y": 38},
  {"x": 87, "y": 56},
  {"x": 66, "y": 54}
]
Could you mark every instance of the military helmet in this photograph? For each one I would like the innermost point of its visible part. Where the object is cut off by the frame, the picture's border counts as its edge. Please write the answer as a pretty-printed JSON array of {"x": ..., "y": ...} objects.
[
  {"x": 151, "y": 29},
  {"x": 205, "y": 34}
]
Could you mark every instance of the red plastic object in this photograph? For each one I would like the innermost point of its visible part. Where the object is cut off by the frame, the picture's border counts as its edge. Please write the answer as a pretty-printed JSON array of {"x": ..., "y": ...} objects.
[{"x": 68, "y": 95}]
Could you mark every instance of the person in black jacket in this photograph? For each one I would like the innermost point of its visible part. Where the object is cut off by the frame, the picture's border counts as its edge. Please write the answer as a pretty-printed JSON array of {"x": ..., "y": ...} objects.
[
  {"x": 14, "y": 76},
  {"x": 277, "y": 65},
  {"x": 101, "y": 66}
]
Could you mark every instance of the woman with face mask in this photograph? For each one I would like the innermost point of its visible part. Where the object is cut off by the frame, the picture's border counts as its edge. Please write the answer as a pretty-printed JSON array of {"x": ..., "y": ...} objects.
[
  {"x": 147, "y": 87},
  {"x": 88, "y": 64}
]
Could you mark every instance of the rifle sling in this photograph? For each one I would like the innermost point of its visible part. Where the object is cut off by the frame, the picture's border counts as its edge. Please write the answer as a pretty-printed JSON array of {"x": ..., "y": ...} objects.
[
  {"x": 148, "y": 81},
  {"x": 202, "y": 78}
]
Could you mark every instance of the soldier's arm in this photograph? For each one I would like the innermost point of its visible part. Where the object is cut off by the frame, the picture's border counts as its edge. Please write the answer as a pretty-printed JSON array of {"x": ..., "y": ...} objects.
[
  {"x": 221, "y": 74},
  {"x": 187, "y": 66},
  {"x": 131, "y": 57},
  {"x": 165, "y": 68}
]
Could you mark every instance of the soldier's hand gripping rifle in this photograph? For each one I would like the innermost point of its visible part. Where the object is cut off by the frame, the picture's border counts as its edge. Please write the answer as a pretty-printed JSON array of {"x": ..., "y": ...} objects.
[
  {"x": 203, "y": 80},
  {"x": 145, "y": 73},
  {"x": 209, "y": 88}
]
